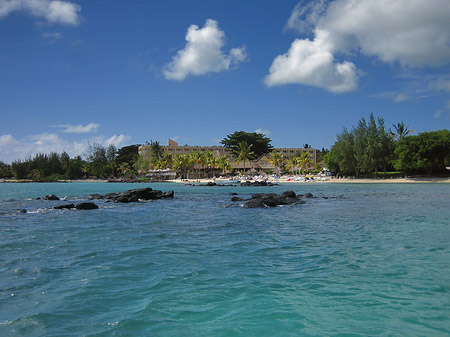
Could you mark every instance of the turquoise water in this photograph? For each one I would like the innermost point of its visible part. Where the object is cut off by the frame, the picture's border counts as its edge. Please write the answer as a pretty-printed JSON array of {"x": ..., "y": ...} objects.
[{"x": 358, "y": 260}]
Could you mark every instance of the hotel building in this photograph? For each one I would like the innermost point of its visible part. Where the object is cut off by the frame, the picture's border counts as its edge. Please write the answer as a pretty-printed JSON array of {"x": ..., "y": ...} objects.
[{"x": 261, "y": 163}]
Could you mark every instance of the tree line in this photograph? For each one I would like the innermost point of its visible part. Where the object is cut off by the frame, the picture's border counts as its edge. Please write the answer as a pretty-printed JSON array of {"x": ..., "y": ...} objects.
[
  {"x": 98, "y": 162},
  {"x": 370, "y": 148}
]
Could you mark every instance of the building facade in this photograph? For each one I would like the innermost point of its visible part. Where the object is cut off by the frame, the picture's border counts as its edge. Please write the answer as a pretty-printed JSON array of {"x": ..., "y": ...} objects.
[{"x": 260, "y": 164}]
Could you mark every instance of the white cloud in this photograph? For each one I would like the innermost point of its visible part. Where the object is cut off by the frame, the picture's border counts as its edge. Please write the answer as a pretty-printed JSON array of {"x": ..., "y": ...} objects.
[
  {"x": 305, "y": 15},
  {"x": 440, "y": 84},
  {"x": 402, "y": 97},
  {"x": 116, "y": 140},
  {"x": 203, "y": 53},
  {"x": 54, "y": 11},
  {"x": 312, "y": 63},
  {"x": 6, "y": 140},
  {"x": 262, "y": 131},
  {"x": 52, "y": 36},
  {"x": 412, "y": 33},
  {"x": 14, "y": 149},
  {"x": 68, "y": 128}
]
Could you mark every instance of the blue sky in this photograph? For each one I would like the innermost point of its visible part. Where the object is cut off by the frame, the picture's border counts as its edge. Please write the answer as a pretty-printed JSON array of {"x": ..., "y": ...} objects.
[{"x": 79, "y": 72}]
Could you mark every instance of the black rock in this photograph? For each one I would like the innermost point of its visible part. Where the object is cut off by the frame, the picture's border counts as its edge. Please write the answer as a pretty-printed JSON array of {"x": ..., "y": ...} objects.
[
  {"x": 289, "y": 194},
  {"x": 95, "y": 196},
  {"x": 21, "y": 210},
  {"x": 237, "y": 199},
  {"x": 134, "y": 195},
  {"x": 233, "y": 193},
  {"x": 86, "y": 205},
  {"x": 51, "y": 197},
  {"x": 257, "y": 183},
  {"x": 68, "y": 206},
  {"x": 259, "y": 200}
]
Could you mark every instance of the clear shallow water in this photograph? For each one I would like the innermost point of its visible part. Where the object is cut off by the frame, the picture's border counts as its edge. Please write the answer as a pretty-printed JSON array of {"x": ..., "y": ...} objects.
[{"x": 371, "y": 260}]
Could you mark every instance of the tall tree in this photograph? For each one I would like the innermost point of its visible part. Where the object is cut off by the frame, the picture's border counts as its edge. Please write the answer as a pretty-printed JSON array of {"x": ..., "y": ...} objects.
[
  {"x": 96, "y": 154},
  {"x": 5, "y": 170},
  {"x": 401, "y": 131},
  {"x": 304, "y": 161},
  {"x": 244, "y": 152},
  {"x": 344, "y": 153},
  {"x": 127, "y": 154},
  {"x": 277, "y": 159},
  {"x": 157, "y": 151},
  {"x": 111, "y": 153},
  {"x": 427, "y": 152},
  {"x": 224, "y": 163},
  {"x": 260, "y": 143}
]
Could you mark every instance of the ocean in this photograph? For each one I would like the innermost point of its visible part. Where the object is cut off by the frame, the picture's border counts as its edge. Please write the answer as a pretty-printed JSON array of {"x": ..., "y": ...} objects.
[{"x": 355, "y": 260}]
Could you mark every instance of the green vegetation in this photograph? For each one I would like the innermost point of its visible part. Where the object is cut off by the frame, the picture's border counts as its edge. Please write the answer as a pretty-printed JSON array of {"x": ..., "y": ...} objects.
[
  {"x": 194, "y": 165},
  {"x": 369, "y": 149},
  {"x": 427, "y": 152},
  {"x": 5, "y": 170},
  {"x": 99, "y": 162},
  {"x": 244, "y": 152},
  {"x": 260, "y": 143}
]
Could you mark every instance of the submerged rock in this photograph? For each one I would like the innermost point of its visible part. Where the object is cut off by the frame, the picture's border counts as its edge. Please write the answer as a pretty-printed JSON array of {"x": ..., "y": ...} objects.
[
  {"x": 81, "y": 206},
  {"x": 86, "y": 205},
  {"x": 257, "y": 183},
  {"x": 51, "y": 197},
  {"x": 260, "y": 200},
  {"x": 134, "y": 195},
  {"x": 68, "y": 206}
]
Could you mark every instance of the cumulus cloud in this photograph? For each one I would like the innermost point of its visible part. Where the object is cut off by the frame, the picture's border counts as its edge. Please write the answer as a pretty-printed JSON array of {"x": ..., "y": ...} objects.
[
  {"x": 203, "y": 53},
  {"x": 14, "y": 149},
  {"x": 54, "y": 11},
  {"x": 312, "y": 63},
  {"x": 410, "y": 33},
  {"x": 116, "y": 140},
  {"x": 68, "y": 128}
]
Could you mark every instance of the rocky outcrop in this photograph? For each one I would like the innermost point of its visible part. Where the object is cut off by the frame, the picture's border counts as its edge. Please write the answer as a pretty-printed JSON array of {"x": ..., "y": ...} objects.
[
  {"x": 257, "y": 183},
  {"x": 50, "y": 197},
  {"x": 68, "y": 206},
  {"x": 86, "y": 205},
  {"x": 81, "y": 206},
  {"x": 134, "y": 195},
  {"x": 260, "y": 200}
]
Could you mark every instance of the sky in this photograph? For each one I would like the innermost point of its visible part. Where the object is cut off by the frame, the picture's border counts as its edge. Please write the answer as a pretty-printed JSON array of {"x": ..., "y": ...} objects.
[{"x": 78, "y": 72}]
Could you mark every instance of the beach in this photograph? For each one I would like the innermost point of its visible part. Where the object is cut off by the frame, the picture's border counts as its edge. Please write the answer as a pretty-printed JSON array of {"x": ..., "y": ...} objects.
[{"x": 329, "y": 180}]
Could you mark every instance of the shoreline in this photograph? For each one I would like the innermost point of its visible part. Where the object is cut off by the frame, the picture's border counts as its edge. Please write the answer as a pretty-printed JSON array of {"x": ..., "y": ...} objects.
[
  {"x": 330, "y": 180},
  {"x": 282, "y": 180}
]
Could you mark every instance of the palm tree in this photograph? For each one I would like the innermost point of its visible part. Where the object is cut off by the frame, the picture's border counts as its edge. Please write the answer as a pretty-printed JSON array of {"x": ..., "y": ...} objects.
[
  {"x": 156, "y": 149},
  {"x": 196, "y": 159},
  {"x": 244, "y": 152},
  {"x": 224, "y": 163},
  {"x": 277, "y": 159},
  {"x": 180, "y": 163},
  {"x": 304, "y": 161},
  {"x": 292, "y": 163},
  {"x": 210, "y": 160},
  {"x": 167, "y": 157},
  {"x": 401, "y": 131},
  {"x": 124, "y": 168}
]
